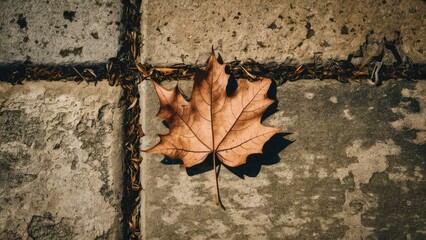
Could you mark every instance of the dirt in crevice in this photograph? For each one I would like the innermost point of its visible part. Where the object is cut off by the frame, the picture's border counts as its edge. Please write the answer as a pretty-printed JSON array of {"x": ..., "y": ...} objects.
[
  {"x": 117, "y": 67},
  {"x": 122, "y": 71}
]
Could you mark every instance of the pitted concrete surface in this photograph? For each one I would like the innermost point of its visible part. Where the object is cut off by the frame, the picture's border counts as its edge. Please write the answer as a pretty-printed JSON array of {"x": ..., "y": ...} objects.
[
  {"x": 60, "y": 159},
  {"x": 288, "y": 31},
  {"x": 354, "y": 168},
  {"x": 55, "y": 32}
]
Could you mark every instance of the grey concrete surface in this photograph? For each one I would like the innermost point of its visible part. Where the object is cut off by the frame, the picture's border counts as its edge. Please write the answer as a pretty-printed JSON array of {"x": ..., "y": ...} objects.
[
  {"x": 284, "y": 31},
  {"x": 352, "y": 167},
  {"x": 55, "y": 32},
  {"x": 60, "y": 160}
]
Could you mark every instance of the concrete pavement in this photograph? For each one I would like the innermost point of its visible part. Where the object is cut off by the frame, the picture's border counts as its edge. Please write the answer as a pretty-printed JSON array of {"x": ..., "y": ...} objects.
[
  {"x": 287, "y": 31},
  {"x": 350, "y": 166},
  {"x": 58, "y": 32},
  {"x": 61, "y": 161}
]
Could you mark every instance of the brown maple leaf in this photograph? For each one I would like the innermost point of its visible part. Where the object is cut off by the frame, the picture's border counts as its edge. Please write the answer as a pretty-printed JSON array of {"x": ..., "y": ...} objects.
[{"x": 211, "y": 122}]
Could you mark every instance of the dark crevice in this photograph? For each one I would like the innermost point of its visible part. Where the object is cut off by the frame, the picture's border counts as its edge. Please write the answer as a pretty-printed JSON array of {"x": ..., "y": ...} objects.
[
  {"x": 343, "y": 71},
  {"x": 16, "y": 73},
  {"x": 392, "y": 47},
  {"x": 116, "y": 68},
  {"x": 122, "y": 71}
]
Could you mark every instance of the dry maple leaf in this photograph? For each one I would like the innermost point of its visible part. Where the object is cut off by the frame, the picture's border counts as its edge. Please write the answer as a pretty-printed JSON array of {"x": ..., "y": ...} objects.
[{"x": 211, "y": 122}]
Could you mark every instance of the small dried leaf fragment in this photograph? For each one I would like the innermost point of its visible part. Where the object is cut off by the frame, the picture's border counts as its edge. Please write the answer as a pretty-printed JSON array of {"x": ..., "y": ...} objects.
[
  {"x": 229, "y": 127},
  {"x": 166, "y": 71},
  {"x": 133, "y": 100},
  {"x": 141, "y": 68},
  {"x": 90, "y": 71}
]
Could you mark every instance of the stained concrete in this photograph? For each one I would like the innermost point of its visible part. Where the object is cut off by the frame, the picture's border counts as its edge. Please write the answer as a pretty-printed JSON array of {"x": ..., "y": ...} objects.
[
  {"x": 60, "y": 159},
  {"x": 284, "y": 31},
  {"x": 55, "y": 31},
  {"x": 350, "y": 166}
]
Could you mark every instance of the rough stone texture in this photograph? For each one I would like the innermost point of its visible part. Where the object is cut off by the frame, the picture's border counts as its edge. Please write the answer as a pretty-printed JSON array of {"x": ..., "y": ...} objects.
[
  {"x": 286, "y": 31},
  {"x": 355, "y": 169},
  {"x": 60, "y": 161},
  {"x": 58, "y": 31}
]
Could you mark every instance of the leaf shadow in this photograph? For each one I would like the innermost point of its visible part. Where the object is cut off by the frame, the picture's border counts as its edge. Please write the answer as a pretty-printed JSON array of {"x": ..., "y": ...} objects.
[
  {"x": 270, "y": 156},
  {"x": 254, "y": 163},
  {"x": 205, "y": 166},
  {"x": 273, "y": 108}
]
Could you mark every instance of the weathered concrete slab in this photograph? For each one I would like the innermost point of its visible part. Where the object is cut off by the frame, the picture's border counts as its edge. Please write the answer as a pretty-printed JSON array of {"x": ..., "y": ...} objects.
[
  {"x": 287, "y": 31},
  {"x": 60, "y": 160},
  {"x": 59, "y": 31},
  {"x": 355, "y": 170}
]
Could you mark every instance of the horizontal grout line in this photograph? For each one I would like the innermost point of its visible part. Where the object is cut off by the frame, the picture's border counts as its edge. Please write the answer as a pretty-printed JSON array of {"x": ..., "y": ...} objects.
[
  {"x": 18, "y": 72},
  {"x": 340, "y": 70}
]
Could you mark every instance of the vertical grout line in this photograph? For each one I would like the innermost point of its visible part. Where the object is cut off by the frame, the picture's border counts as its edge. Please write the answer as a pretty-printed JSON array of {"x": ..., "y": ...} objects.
[
  {"x": 143, "y": 31},
  {"x": 122, "y": 71}
]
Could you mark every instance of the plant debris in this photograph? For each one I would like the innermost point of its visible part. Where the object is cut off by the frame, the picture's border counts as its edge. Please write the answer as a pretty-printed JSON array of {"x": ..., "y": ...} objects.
[
  {"x": 18, "y": 72},
  {"x": 123, "y": 71},
  {"x": 343, "y": 71}
]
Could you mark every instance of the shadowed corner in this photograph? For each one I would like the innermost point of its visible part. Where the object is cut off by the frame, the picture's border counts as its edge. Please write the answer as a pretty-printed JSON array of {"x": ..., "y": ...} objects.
[{"x": 270, "y": 156}]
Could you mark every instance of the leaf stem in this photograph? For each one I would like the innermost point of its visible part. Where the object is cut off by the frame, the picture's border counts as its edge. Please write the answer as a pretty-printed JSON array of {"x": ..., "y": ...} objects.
[
  {"x": 215, "y": 179},
  {"x": 218, "y": 200}
]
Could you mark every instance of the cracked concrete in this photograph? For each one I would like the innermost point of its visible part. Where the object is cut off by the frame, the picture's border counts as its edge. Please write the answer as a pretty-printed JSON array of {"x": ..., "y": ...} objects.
[
  {"x": 287, "y": 31},
  {"x": 60, "y": 155},
  {"x": 346, "y": 170}
]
